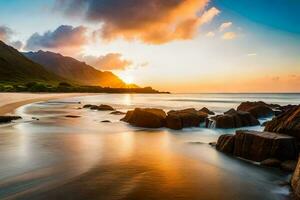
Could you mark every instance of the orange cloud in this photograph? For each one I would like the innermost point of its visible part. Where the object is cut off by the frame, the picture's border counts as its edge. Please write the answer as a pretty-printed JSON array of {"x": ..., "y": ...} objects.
[
  {"x": 153, "y": 22},
  {"x": 111, "y": 61},
  {"x": 229, "y": 36}
]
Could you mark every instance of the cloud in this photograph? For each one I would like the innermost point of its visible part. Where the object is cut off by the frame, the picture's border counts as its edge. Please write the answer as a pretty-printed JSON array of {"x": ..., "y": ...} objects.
[
  {"x": 224, "y": 26},
  {"x": 5, "y": 33},
  {"x": 251, "y": 54},
  {"x": 229, "y": 36},
  {"x": 64, "y": 38},
  {"x": 210, "y": 34},
  {"x": 150, "y": 21},
  {"x": 17, "y": 44},
  {"x": 111, "y": 61}
]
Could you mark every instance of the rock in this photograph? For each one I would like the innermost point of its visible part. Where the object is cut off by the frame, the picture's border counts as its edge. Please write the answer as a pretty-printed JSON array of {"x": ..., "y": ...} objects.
[
  {"x": 104, "y": 107},
  {"x": 72, "y": 116},
  {"x": 225, "y": 143},
  {"x": 117, "y": 113},
  {"x": 257, "y": 109},
  {"x": 207, "y": 111},
  {"x": 295, "y": 181},
  {"x": 213, "y": 144},
  {"x": 235, "y": 119},
  {"x": 8, "y": 119},
  {"x": 265, "y": 123},
  {"x": 259, "y": 146},
  {"x": 289, "y": 165},
  {"x": 106, "y": 121},
  {"x": 286, "y": 123},
  {"x": 271, "y": 162},
  {"x": 88, "y": 106},
  {"x": 185, "y": 118},
  {"x": 147, "y": 118}
]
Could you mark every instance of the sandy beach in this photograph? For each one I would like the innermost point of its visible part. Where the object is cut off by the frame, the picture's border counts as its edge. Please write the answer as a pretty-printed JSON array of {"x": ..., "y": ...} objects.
[{"x": 10, "y": 101}]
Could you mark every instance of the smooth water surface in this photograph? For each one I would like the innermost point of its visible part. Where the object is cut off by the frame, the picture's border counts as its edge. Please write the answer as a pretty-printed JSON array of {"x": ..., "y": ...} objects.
[{"x": 82, "y": 158}]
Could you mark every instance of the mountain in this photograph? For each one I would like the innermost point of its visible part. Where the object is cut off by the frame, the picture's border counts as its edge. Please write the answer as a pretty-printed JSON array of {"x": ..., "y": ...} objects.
[
  {"x": 75, "y": 70},
  {"x": 15, "y": 67}
]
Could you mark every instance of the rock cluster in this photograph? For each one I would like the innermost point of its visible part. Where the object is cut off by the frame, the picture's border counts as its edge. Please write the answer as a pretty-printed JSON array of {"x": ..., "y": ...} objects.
[
  {"x": 157, "y": 118},
  {"x": 259, "y": 146}
]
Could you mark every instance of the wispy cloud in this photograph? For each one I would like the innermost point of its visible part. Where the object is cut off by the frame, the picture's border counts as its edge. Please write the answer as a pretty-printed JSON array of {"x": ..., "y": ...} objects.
[
  {"x": 224, "y": 26},
  {"x": 251, "y": 54},
  {"x": 210, "y": 34},
  {"x": 229, "y": 36},
  {"x": 111, "y": 61}
]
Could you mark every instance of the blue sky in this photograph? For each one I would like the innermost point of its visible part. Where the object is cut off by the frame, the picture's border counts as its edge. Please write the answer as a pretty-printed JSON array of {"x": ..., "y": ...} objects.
[{"x": 258, "y": 49}]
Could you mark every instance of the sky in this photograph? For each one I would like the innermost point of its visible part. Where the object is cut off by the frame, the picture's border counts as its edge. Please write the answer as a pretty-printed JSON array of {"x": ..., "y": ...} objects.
[{"x": 171, "y": 45}]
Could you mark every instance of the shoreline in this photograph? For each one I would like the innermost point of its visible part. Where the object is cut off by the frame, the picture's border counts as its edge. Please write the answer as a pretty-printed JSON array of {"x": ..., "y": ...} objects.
[{"x": 9, "y": 102}]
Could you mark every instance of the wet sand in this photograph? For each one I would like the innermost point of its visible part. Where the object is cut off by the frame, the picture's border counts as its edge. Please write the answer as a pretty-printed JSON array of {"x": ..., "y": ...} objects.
[{"x": 10, "y": 101}]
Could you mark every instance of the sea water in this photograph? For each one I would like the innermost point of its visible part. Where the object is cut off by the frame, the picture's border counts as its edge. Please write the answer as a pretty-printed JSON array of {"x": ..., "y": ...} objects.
[{"x": 56, "y": 157}]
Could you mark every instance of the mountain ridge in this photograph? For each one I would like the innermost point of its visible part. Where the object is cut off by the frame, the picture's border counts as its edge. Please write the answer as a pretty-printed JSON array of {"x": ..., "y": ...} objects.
[{"x": 75, "y": 70}]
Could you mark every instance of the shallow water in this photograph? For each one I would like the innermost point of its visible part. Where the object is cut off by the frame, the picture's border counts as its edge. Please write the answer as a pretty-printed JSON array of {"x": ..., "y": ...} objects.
[{"x": 81, "y": 158}]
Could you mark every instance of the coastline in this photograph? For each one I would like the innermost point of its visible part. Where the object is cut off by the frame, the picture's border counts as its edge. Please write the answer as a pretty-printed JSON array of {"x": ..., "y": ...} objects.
[{"x": 11, "y": 101}]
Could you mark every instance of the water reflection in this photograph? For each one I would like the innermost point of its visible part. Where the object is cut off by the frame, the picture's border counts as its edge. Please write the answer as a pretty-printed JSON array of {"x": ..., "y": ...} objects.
[{"x": 56, "y": 156}]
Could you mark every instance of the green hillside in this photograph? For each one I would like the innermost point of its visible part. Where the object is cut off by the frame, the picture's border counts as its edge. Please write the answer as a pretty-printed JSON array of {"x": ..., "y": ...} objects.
[{"x": 15, "y": 68}]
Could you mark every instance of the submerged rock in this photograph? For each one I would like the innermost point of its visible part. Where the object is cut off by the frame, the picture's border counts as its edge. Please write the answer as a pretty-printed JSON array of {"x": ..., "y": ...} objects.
[
  {"x": 147, "y": 118},
  {"x": 259, "y": 146},
  {"x": 257, "y": 109},
  {"x": 207, "y": 111},
  {"x": 179, "y": 119},
  {"x": 102, "y": 107},
  {"x": 235, "y": 119},
  {"x": 72, "y": 116},
  {"x": 8, "y": 119},
  {"x": 117, "y": 113},
  {"x": 271, "y": 162},
  {"x": 286, "y": 123}
]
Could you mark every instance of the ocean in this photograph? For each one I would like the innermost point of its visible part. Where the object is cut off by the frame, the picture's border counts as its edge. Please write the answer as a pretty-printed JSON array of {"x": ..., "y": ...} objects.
[{"x": 56, "y": 157}]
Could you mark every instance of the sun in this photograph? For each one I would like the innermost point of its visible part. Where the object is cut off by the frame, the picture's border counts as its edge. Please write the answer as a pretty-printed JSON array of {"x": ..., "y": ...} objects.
[{"x": 128, "y": 79}]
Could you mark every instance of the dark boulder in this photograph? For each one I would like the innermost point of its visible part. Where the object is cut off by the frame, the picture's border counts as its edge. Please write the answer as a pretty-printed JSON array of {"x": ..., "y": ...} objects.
[
  {"x": 207, "y": 111},
  {"x": 185, "y": 118},
  {"x": 295, "y": 181},
  {"x": 225, "y": 143},
  {"x": 88, "y": 106},
  {"x": 8, "y": 119},
  {"x": 235, "y": 119},
  {"x": 257, "y": 109},
  {"x": 289, "y": 165},
  {"x": 259, "y": 146},
  {"x": 286, "y": 123},
  {"x": 147, "y": 118},
  {"x": 106, "y": 121}
]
